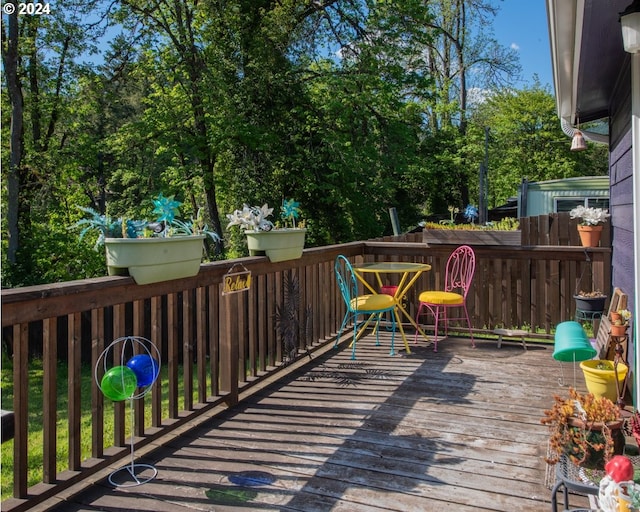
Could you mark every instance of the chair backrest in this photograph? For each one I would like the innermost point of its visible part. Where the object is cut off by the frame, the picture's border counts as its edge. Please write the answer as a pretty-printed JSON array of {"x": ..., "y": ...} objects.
[
  {"x": 346, "y": 279},
  {"x": 461, "y": 266}
]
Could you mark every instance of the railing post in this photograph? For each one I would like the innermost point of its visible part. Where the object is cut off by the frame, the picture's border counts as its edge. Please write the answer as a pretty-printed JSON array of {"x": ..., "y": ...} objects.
[
  {"x": 229, "y": 349},
  {"x": 21, "y": 408}
]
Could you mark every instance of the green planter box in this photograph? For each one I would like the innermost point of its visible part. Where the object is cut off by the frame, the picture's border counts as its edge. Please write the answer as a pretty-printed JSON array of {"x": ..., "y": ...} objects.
[
  {"x": 150, "y": 260},
  {"x": 277, "y": 244}
]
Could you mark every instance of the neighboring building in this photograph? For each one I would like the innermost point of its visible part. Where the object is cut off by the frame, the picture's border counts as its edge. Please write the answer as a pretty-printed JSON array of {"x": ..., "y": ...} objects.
[{"x": 553, "y": 196}]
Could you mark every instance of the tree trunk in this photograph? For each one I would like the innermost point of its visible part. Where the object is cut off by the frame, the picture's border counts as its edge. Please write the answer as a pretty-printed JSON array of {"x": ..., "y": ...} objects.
[{"x": 10, "y": 62}]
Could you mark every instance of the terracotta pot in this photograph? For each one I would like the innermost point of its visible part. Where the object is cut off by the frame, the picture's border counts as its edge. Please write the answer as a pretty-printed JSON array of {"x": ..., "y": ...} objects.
[
  {"x": 614, "y": 315},
  {"x": 590, "y": 235},
  {"x": 618, "y": 330},
  {"x": 594, "y": 458}
]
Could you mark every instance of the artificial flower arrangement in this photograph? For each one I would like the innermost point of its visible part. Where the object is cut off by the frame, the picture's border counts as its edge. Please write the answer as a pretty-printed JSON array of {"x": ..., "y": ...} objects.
[
  {"x": 278, "y": 243},
  {"x": 165, "y": 224},
  {"x": 150, "y": 251},
  {"x": 255, "y": 218},
  {"x": 589, "y": 216}
]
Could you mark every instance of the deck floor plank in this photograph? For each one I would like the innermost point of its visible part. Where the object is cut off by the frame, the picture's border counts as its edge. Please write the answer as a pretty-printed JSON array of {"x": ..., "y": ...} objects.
[{"x": 454, "y": 430}]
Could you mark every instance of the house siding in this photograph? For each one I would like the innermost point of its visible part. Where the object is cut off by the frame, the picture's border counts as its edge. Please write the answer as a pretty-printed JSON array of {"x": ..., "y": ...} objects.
[{"x": 621, "y": 192}]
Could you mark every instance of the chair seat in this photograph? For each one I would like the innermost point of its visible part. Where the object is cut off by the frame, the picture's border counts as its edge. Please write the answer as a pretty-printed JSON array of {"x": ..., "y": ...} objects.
[
  {"x": 372, "y": 302},
  {"x": 444, "y": 298}
]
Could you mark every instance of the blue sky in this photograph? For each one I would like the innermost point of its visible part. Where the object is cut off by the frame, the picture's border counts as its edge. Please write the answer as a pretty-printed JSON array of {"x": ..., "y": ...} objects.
[{"x": 522, "y": 24}]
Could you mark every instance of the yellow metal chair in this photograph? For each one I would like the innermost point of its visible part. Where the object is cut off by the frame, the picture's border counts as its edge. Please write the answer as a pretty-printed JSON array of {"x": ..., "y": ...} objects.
[
  {"x": 459, "y": 272},
  {"x": 369, "y": 305}
]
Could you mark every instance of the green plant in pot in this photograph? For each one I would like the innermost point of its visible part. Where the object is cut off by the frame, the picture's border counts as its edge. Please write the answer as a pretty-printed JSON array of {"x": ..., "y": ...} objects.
[
  {"x": 620, "y": 322},
  {"x": 264, "y": 238},
  {"x": 585, "y": 428},
  {"x": 149, "y": 251}
]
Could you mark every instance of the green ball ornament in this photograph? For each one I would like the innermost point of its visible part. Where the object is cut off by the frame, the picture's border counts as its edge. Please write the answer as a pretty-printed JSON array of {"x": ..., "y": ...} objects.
[{"x": 119, "y": 383}]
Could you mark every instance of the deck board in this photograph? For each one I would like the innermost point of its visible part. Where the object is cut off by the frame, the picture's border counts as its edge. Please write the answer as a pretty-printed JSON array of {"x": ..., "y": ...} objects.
[{"x": 454, "y": 430}]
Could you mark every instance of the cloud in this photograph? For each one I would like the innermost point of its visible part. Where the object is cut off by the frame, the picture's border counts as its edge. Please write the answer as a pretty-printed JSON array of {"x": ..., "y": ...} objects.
[{"x": 515, "y": 46}]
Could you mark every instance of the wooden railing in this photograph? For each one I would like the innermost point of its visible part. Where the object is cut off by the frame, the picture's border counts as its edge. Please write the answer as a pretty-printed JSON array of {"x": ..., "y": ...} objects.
[{"x": 218, "y": 347}]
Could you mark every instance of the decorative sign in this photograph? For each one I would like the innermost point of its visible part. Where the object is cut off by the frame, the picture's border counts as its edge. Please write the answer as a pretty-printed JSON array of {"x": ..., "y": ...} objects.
[{"x": 234, "y": 282}]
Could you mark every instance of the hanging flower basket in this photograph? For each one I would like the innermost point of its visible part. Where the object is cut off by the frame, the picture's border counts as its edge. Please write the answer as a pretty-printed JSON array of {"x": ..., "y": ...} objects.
[{"x": 590, "y": 304}]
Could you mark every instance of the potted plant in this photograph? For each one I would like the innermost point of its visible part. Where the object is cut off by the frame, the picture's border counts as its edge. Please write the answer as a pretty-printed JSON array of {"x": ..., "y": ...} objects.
[
  {"x": 585, "y": 428},
  {"x": 620, "y": 322},
  {"x": 590, "y": 302},
  {"x": 605, "y": 378},
  {"x": 150, "y": 251},
  {"x": 590, "y": 227},
  {"x": 264, "y": 237}
]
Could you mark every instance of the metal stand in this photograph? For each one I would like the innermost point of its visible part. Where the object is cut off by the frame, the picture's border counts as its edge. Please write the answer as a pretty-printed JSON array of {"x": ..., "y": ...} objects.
[
  {"x": 568, "y": 478},
  {"x": 132, "y": 474}
]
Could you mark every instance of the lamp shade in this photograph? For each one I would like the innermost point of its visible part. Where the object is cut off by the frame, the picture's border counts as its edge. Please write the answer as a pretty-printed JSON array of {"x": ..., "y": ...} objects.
[
  {"x": 578, "y": 143},
  {"x": 571, "y": 343},
  {"x": 630, "y": 22}
]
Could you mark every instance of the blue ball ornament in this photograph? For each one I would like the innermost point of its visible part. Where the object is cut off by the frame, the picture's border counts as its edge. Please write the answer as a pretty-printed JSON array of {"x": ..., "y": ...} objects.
[{"x": 145, "y": 367}]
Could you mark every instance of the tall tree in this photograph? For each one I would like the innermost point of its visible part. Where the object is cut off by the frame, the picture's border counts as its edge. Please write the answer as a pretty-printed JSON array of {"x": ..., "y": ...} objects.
[
  {"x": 526, "y": 141},
  {"x": 463, "y": 58},
  {"x": 38, "y": 53}
]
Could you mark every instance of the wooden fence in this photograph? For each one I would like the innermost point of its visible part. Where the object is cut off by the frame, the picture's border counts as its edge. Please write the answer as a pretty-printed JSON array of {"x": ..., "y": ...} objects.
[{"x": 217, "y": 347}]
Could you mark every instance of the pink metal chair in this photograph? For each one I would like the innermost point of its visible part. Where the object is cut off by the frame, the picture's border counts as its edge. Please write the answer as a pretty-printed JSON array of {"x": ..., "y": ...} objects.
[{"x": 459, "y": 272}]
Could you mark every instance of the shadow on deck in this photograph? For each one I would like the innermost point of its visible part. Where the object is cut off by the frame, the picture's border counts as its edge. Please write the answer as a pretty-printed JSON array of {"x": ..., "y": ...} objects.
[{"x": 458, "y": 429}]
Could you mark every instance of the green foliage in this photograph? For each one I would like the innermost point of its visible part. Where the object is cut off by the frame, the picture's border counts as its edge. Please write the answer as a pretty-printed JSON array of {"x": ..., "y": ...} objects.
[
  {"x": 507, "y": 224},
  {"x": 248, "y": 102},
  {"x": 526, "y": 141}
]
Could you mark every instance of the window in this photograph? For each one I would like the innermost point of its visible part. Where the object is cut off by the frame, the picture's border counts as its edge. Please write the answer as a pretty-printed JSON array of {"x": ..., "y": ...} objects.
[{"x": 566, "y": 204}]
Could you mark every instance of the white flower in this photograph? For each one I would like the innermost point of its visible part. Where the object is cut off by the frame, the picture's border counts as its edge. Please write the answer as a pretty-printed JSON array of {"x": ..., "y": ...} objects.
[
  {"x": 589, "y": 216},
  {"x": 251, "y": 218}
]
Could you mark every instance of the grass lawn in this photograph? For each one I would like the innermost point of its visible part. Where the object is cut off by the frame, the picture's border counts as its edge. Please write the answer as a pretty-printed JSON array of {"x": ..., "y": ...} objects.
[{"x": 35, "y": 439}]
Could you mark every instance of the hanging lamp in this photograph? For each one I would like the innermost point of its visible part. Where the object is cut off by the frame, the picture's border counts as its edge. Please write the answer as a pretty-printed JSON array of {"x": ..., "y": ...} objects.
[
  {"x": 630, "y": 22},
  {"x": 577, "y": 142}
]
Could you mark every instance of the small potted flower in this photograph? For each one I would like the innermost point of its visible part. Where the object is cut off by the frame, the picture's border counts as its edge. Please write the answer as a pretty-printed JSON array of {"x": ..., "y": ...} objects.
[
  {"x": 591, "y": 221},
  {"x": 150, "y": 251},
  {"x": 264, "y": 238},
  {"x": 584, "y": 428},
  {"x": 620, "y": 322}
]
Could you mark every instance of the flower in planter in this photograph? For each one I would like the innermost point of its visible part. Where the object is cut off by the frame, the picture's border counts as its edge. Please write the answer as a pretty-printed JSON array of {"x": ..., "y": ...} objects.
[
  {"x": 254, "y": 218},
  {"x": 589, "y": 216},
  {"x": 165, "y": 224},
  {"x": 251, "y": 218},
  {"x": 625, "y": 316}
]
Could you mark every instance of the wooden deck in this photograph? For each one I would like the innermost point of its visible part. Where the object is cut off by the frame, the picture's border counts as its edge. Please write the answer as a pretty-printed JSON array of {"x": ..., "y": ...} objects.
[{"x": 454, "y": 430}]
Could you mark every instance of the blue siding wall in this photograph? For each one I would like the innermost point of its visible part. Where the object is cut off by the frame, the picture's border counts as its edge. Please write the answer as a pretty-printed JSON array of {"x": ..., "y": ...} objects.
[{"x": 622, "y": 212}]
